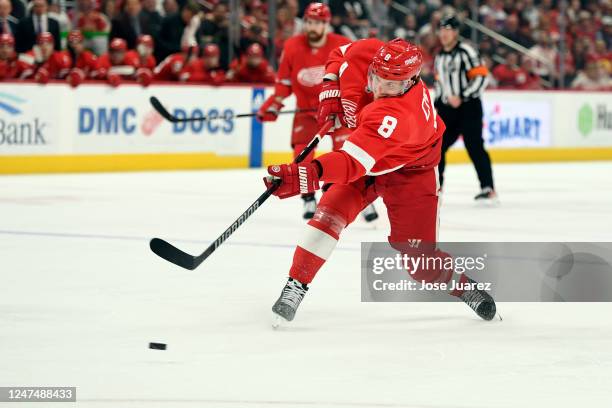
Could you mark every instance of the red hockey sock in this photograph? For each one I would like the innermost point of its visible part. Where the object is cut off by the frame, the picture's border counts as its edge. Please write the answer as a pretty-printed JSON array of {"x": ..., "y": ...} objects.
[{"x": 317, "y": 243}]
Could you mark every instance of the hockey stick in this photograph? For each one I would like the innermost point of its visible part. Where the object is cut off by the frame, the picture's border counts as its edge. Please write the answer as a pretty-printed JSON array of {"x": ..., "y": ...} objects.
[
  {"x": 172, "y": 254},
  {"x": 171, "y": 118}
]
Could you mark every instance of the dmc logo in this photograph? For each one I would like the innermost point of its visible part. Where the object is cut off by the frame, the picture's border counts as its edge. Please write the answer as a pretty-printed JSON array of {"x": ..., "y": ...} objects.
[
  {"x": 107, "y": 120},
  {"x": 589, "y": 119},
  {"x": 19, "y": 131},
  {"x": 501, "y": 127}
]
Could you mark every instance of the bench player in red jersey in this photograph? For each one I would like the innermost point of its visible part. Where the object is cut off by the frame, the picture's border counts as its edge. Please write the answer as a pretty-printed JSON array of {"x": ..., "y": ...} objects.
[
  {"x": 301, "y": 70},
  {"x": 84, "y": 62},
  {"x": 42, "y": 62},
  {"x": 393, "y": 154}
]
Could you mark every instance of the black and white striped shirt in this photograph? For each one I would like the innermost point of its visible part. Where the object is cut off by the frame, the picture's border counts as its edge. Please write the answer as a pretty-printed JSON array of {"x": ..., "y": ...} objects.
[{"x": 459, "y": 72}]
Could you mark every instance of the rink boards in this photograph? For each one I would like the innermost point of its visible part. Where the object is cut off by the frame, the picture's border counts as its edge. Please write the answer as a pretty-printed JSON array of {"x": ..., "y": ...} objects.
[{"x": 55, "y": 128}]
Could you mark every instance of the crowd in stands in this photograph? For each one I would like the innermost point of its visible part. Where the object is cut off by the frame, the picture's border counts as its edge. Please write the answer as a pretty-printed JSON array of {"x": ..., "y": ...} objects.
[{"x": 183, "y": 40}]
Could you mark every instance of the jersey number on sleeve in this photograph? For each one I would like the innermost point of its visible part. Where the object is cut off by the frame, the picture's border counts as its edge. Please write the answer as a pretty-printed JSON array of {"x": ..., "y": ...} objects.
[{"x": 387, "y": 126}]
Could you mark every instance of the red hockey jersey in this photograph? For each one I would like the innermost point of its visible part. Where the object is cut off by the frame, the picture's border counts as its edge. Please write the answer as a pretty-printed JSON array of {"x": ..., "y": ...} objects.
[
  {"x": 87, "y": 62},
  {"x": 302, "y": 68},
  {"x": 242, "y": 72},
  {"x": 170, "y": 68},
  {"x": 57, "y": 65},
  {"x": 393, "y": 133},
  {"x": 126, "y": 68}
]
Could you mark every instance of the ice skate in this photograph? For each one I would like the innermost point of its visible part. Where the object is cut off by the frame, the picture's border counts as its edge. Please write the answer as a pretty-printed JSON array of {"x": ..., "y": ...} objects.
[
  {"x": 289, "y": 300},
  {"x": 310, "y": 206},
  {"x": 479, "y": 301},
  {"x": 487, "y": 196},
  {"x": 369, "y": 213}
]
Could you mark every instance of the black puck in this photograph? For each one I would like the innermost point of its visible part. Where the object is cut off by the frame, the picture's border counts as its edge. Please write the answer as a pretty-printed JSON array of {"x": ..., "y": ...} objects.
[{"x": 157, "y": 346}]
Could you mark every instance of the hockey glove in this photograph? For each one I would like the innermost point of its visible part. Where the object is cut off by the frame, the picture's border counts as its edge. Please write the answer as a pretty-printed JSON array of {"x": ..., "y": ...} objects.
[
  {"x": 329, "y": 103},
  {"x": 268, "y": 112},
  {"x": 302, "y": 178}
]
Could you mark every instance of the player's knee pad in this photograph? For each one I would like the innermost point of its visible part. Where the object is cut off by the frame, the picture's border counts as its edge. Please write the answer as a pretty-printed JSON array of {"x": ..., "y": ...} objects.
[{"x": 346, "y": 200}]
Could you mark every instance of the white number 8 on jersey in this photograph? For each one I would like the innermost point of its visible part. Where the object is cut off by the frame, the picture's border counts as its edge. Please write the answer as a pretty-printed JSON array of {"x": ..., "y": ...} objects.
[{"x": 387, "y": 126}]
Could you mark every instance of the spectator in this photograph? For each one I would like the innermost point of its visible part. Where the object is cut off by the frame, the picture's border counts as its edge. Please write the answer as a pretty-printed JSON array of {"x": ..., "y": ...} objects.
[
  {"x": 409, "y": 30},
  {"x": 215, "y": 29},
  {"x": 510, "y": 75},
  {"x": 9, "y": 67},
  {"x": 170, "y": 7},
  {"x": 38, "y": 22},
  {"x": 89, "y": 20},
  {"x": 172, "y": 29},
  {"x": 592, "y": 78},
  {"x": 110, "y": 9},
  {"x": 19, "y": 9},
  {"x": 84, "y": 62},
  {"x": 206, "y": 69},
  {"x": 545, "y": 56},
  {"x": 350, "y": 18},
  {"x": 151, "y": 16},
  {"x": 8, "y": 23},
  {"x": 131, "y": 23},
  {"x": 533, "y": 82},
  {"x": 42, "y": 62},
  {"x": 251, "y": 67},
  {"x": 93, "y": 25}
]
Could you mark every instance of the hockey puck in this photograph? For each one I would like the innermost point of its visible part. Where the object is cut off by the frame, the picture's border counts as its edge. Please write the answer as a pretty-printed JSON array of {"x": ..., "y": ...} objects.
[{"x": 157, "y": 346}]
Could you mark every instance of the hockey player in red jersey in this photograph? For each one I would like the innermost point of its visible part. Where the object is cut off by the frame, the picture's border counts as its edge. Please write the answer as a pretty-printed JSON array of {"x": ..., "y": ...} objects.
[
  {"x": 252, "y": 67},
  {"x": 118, "y": 63},
  {"x": 84, "y": 62},
  {"x": 9, "y": 68},
  {"x": 146, "y": 60},
  {"x": 170, "y": 68},
  {"x": 43, "y": 62},
  {"x": 206, "y": 69},
  {"x": 301, "y": 70},
  {"x": 393, "y": 154}
]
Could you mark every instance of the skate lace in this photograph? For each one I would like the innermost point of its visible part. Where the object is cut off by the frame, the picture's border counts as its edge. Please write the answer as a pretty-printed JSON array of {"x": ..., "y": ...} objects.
[
  {"x": 292, "y": 294},
  {"x": 472, "y": 298}
]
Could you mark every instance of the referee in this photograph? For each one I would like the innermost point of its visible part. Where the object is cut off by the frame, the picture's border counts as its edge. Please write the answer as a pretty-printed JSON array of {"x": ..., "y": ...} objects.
[{"x": 460, "y": 80}]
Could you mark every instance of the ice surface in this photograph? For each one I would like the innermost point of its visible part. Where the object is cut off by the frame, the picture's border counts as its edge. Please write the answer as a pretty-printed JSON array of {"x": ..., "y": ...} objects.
[{"x": 81, "y": 296}]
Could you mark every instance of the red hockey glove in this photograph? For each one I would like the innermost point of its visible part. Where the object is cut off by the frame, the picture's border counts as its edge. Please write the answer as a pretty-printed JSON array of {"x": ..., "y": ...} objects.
[
  {"x": 144, "y": 76},
  {"x": 329, "y": 103},
  {"x": 268, "y": 112},
  {"x": 302, "y": 178},
  {"x": 75, "y": 77},
  {"x": 42, "y": 76},
  {"x": 114, "y": 80}
]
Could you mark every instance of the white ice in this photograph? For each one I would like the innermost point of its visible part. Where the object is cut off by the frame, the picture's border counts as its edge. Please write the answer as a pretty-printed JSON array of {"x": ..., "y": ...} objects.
[{"x": 81, "y": 296}]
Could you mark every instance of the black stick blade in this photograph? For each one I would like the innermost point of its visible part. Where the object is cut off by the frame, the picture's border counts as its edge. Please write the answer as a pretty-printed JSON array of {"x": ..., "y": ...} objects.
[
  {"x": 172, "y": 254},
  {"x": 161, "y": 110}
]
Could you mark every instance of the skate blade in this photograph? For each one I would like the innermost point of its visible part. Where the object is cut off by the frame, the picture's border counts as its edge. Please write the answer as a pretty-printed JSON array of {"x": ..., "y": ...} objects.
[
  {"x": 278, "y": 321},
  {"x": 488, "y": 202}
]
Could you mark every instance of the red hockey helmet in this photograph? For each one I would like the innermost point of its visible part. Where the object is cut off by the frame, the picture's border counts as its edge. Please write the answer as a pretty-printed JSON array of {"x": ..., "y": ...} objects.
[
  {"x": 394, "y": 68},
  {"x": 7, "y": 39},
  {"x": 318, "y": 11},
  {"x": 211, "y": 50},
  {"x": 397, "y": 60},
  {"x": 75, "y": 36},
  {"x": 145, "y": 40},
  {"x": 118, "y": 44},
  {"x": 255, "y": 50},
  {"x": 45, "y": 38}
]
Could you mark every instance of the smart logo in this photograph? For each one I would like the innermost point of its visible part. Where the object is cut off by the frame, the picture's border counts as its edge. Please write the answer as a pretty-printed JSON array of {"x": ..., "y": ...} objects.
[{"x": 503, "y": 126}]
